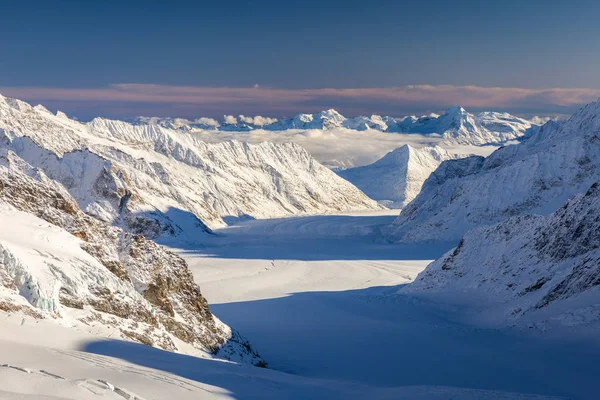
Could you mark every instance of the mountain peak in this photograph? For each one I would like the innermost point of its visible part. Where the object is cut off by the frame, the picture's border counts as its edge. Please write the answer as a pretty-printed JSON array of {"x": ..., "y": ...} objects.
[
  {"x": 455, "y": 110},
  {"x": 14, "y": 103},
  {"x": 331, "y": 112}
]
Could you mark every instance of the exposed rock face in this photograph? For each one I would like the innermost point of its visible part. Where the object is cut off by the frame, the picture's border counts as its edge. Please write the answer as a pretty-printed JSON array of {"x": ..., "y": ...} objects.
[
  {"x": 84, "y": 270},
  {"x": 537, "y": 176},
  {"x": 542, "y": 269}
]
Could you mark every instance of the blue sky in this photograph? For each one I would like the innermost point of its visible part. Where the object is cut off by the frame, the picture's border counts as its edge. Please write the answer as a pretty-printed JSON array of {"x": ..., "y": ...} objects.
[{"x": 61, "y": 53}]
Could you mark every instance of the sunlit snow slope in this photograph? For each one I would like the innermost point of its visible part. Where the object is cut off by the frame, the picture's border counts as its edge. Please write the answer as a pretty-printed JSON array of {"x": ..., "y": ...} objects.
[
  {"x": 161, "y": 182},
  {"x": 396, "y": 179},
  {"x": 537, "y": 176}
]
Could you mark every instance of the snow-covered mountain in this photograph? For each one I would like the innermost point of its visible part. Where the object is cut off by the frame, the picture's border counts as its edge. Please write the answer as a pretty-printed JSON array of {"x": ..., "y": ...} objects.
[
  {"x": 396, "y": 179},
  {"x": 456, "y": 126},
  {"x": 543, "y": 269},
  {"x": 157, "y": 181},
  {"x": 177, "y": 123},
  {"x": 537, "y": 176},
  {"x": 328, "y": 119},
  {"x": 58, "y": 262}
]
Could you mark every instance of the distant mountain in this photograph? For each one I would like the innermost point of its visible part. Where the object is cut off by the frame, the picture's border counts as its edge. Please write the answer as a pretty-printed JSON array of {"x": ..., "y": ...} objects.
[
  {"x": 396, "y": 179},
  {"x": 166, "y": 183},
  {"x": 537, "y": 176},
  {"x": 456, "y": 125},
  {"x": 529, "y": 270},
  {"x": 324, "y": 120}
]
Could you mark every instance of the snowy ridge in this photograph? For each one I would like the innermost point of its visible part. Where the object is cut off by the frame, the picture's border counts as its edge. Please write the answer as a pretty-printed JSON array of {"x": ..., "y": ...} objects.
[
  {"x": 162, "y": 176},
  {"x": 542, "y": 269},
  {"x": 456, "y": 125},
  {"x": 460, "y": 127},
  {"x": 102, "y": 188},
  {"x": 57, "y": 262},
  {"x": 396, "y": 179},
  {"x": 537, "y": 176}
]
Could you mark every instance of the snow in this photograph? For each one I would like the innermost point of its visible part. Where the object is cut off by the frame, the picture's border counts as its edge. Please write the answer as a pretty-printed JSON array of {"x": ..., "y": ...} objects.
[
  {"x": 323, "y": 308},
  {"x": 536, "y": 271},
  {"x": 396, "y": 179},
  {"x": 537, "y": 176},
  {"x": 455, "y": 125},
  {"x": 59, "y": 263},
  {"x": 147, "y": 179},
  {"x": 329, "y": 305},
  {"x": 340, "y": 142},
  {"x": 65, "y": 364},
  {"x": 41, "y": 258},
  {"x": 318, "y": 296}
]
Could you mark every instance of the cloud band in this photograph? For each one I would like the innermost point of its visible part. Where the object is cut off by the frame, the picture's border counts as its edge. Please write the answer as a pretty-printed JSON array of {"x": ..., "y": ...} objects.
[{"x": 272, "y": 101}]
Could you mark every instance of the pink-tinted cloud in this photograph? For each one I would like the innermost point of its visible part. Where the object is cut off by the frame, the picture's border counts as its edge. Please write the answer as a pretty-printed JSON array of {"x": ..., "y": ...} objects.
[{"x": 266, "y": 100}]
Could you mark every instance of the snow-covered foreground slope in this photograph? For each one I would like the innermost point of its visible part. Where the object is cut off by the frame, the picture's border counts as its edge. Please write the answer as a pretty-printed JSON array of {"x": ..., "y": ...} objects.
[
  {"x": 533, "y": 269},
  {"x": 58, "y": 263},
  {"x": 314, "y": 293},
  {"x": 64, "y": 364},
  {"x": 396, "y": 179},
  {"x": 536, "y": 176},
  {"x": 159, "y": 182}
]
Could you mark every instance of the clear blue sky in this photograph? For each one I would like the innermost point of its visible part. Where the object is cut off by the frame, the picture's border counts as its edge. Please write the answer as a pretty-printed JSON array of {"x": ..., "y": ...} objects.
[{"x": 297, "y": 45}]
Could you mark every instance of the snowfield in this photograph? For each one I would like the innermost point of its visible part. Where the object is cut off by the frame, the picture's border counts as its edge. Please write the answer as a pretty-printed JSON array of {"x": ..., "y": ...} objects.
[
  {"x": 324, "y": 317},
  {"x": 319, "y": 298}
]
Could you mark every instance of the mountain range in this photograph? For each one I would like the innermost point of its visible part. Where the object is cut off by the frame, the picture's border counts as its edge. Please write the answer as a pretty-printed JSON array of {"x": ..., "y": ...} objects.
[
  {"x": 163, "y": 183},
  {"x": 528, "y": 270},
  {"x": 60, "y": 263},
  {"x": 537, "y": 176},
  {"x": 456, "y": 125}
]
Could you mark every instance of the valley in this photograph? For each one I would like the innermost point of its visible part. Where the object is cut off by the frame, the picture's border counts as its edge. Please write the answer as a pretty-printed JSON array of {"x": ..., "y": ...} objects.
[
  {"x": 160, "y": 264},
  {"x": 325, "y": 305},
  {"x": 316, "y": 200},
  {"x": 324, "y": 311}
]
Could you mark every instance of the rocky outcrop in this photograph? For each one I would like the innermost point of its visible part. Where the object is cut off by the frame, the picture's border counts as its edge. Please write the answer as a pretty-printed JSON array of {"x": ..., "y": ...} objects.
[{"x": 108, "y": 276}]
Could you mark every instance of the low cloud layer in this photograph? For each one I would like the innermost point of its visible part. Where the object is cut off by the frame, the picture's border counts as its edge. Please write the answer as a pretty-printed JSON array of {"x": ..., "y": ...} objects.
[
  {"x": 341, "y": 147},
  {"x": 161, "y": 100}
]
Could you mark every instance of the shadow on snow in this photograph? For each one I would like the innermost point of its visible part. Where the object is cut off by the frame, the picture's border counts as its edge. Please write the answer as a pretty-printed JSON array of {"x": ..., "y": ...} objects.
[
  {"x": 314, "y": 238},
  {"x": 375, "y": 339}
]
